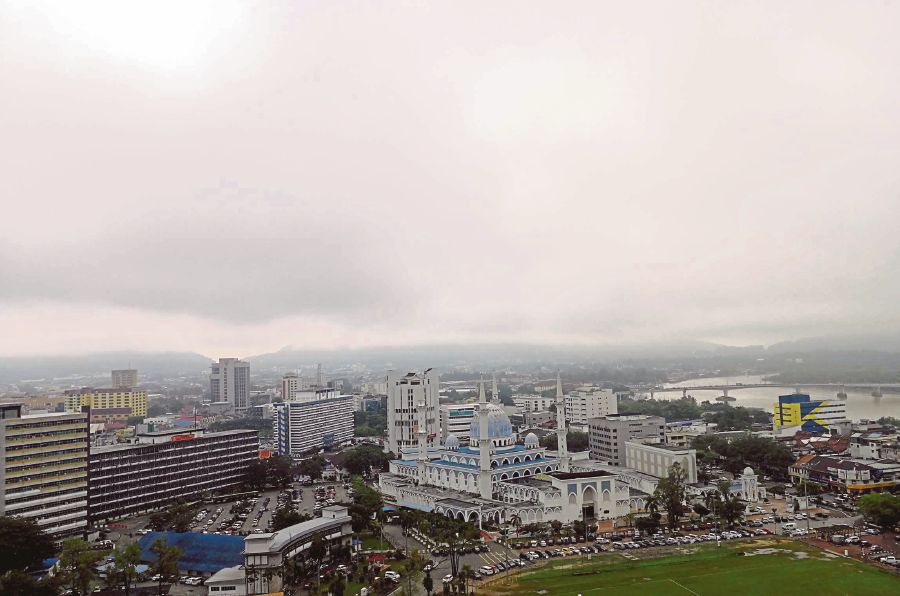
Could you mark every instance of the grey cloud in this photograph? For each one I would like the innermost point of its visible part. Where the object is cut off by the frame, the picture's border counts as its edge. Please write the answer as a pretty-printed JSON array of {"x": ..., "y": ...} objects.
[{"x": 452, "y": 172}]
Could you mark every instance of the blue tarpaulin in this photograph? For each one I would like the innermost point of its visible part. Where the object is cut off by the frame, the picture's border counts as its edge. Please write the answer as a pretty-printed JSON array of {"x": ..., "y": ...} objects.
[{"x": 205, "y": 553}]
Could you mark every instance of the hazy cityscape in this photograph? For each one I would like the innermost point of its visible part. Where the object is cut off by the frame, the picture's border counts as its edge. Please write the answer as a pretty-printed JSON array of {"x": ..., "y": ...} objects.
[{"x": 418, "y": 298}]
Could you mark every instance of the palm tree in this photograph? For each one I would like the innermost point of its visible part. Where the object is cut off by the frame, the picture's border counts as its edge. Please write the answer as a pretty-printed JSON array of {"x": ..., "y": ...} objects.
[
  {"x": 516, "y": 522},
  {"x": 652, "y": 504}
]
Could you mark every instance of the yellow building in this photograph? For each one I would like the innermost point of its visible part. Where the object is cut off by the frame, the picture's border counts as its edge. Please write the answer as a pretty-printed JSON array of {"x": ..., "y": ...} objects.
[
  {"x": 102, "y": 399},
  {"x": 44, "y": 469}
]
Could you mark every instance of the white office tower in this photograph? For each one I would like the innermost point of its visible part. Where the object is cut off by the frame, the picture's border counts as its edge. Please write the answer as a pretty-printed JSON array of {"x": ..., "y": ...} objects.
[
  {"x": 320, "y": 376},
  {"x": 291, "y": 383},
  {"x": 590, "y": 402},
  {"x": 229, "y": 382},
  {"x": 406, "y": 393}
]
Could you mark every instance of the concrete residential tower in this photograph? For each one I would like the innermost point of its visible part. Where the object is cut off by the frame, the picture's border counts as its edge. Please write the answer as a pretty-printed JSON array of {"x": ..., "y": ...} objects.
[
  {"x": 406, "y": 394},
  {"x": 229, "y": 382}
]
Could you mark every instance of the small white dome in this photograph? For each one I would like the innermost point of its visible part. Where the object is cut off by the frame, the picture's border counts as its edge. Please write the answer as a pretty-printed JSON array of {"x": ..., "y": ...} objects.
[
  {"x": 531, "y": 440},
  {"x": 452, "y": 442},
  {"x": 748, "y": 471}
]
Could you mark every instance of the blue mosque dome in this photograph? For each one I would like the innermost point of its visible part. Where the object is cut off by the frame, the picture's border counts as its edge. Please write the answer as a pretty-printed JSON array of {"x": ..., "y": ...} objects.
[
  {"x": 531, "y": 441},
  {"x": 452, "y": 442},
  {"x": 499, "y": 426}
]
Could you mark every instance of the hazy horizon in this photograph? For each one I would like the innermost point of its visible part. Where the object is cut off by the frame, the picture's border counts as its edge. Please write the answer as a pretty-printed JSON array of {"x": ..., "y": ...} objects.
[{"x": 230, "y": 178}]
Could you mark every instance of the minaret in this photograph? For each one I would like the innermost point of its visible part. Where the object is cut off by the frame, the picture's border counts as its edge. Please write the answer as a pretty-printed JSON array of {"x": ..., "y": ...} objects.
[
  {"x": 485, "y": 486},
  {"x": 495, "y": 395},
  {"x": 562, "y": 446},
  {"x": 422, "y": 443}
]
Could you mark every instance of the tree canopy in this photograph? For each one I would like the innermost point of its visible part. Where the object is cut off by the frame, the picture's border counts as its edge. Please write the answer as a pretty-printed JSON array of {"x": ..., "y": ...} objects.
[
  {"x": 362, "y": 459},
  {"x": 670, "y": 494},
  {"x": 23, "y": 544},
  {"x": 575, "y": 441},
  {"x": 882, "y": 509},
  {"x": 761, "y": 454},
  {"x": 370, "y": 424}
]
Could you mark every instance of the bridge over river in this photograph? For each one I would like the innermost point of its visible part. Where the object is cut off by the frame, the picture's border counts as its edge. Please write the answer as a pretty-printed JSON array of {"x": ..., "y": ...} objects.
[{"x": 841, "y": 388}]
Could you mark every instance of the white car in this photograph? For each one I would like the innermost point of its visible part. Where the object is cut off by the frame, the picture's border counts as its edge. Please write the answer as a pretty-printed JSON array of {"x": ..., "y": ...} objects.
[
  {"x": 485, "y": 570},
  {"x": 392, "y": 575},
  {"x": 447, "y": 578}
]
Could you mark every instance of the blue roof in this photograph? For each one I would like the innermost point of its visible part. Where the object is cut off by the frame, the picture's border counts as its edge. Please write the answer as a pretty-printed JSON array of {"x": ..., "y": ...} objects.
[{"x": 206, "y": 553}]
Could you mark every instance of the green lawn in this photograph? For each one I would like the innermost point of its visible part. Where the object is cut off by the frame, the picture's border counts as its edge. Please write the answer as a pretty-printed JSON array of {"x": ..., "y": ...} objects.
[{"x": 709, "y": 570}]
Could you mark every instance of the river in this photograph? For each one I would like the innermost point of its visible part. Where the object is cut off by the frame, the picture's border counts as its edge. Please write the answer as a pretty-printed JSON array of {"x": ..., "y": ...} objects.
[{"x": 860, "y": 403}]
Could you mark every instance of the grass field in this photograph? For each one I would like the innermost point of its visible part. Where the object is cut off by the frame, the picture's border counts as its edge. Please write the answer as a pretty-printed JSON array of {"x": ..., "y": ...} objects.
[{"x": 734, "y": 569}]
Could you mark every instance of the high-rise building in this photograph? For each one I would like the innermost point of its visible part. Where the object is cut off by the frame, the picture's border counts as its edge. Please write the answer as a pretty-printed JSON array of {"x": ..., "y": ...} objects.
[
  {"x": 590, "y": 402},
  {"x": 44, "y": 469},
  {"x": 811, "y": 415},
  {"x": 229, "y": 382},
  {"x": 107, "y": 402},
  {"x": 124, "y": 378},
  {"x": 608, "y": 434},
  {"x": 407, "y": 393},
  {"x": 456, "y": 419},
  {"x": 291, "y": 383},
  {"x": 304, "y": 425},
  {"x": 164, "y": 466}
]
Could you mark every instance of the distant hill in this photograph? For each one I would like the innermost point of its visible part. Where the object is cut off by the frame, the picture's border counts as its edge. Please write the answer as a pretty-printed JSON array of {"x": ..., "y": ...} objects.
[
  {"x": 841, "y": 343},
  {"x": 157, "y": 364}
]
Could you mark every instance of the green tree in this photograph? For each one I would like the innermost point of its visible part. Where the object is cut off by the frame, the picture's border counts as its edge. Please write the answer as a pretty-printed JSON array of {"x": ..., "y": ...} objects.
[
  {"x": 255, "y": 476},
  {"x": 76, "y": 564},
  {"x": 166, "y": 563},
  {"x": 575, "y": 441},
  {"x": 181, "y": 516},
  {"x": 670, "y": 491},
  {"x": 279, "y": 471},
  {"x": 701, "y": 510},
  {"x": 124, "y": 570},
  {"x": 647, "y": 524},
  {"x": 362, "y": 459},
  {"x": 882, "y": 509},
  {"x": 23, "y": 544},
  {"x": 580, "y": 528},
  {"x": 338, "y": 585},
  {"x": 19, "y": 583},
  {"x": 312, "y": 467},
  {"x": 288, "y": 517},
  {"x": 317, "y": 552},
  {"x": 732, "y": 509}
]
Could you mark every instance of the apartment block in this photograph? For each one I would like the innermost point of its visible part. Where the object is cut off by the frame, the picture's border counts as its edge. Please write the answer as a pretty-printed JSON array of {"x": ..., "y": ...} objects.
[
  {"x": 99, "y": 400},
  {"x": 44, "y": 472},
  {"x": 302, "y": 426},
  {"x": 456, "y": 419},
  {"x": 229, "y": 384},
  {"x": 590, "y": 402},
  {"x": 656, "y": 460},
  {"x": 124, "y": 378},
  {"x": 164, "y": 466},
  {"x": 608, "y": 434},
  {"x": 412, "y": 401}
]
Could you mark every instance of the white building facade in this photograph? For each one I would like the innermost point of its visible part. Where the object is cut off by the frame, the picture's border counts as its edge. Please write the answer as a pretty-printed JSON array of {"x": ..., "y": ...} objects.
[
  {"x": 229, "y": 382},
  {"x": 303, "y": 426},
  {"x": 590, "y": 402},
  {"x": 456, "y": 419},
  {"x": 412, "y": 407}
]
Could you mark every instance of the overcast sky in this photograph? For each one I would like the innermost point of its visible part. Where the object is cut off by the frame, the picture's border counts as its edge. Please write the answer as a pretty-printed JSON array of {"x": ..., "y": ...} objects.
[{"x": 233, "y": 177}]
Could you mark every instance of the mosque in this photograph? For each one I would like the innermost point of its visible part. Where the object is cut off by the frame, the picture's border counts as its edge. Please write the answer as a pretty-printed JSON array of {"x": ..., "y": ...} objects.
[{"x": 493, "y": 479}]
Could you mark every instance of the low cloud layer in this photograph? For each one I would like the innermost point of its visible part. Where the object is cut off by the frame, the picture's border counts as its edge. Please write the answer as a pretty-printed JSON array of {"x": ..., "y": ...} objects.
[{"x": 235, "y": 177}]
